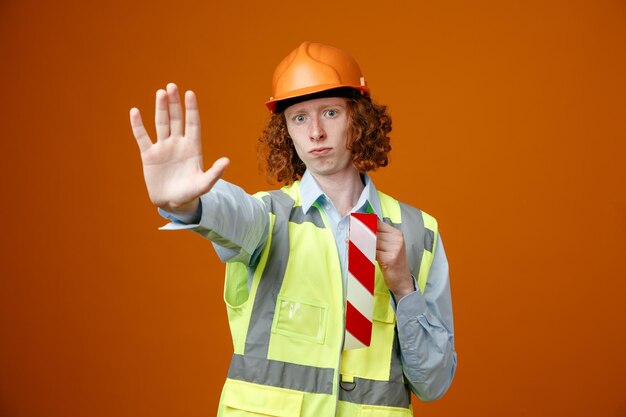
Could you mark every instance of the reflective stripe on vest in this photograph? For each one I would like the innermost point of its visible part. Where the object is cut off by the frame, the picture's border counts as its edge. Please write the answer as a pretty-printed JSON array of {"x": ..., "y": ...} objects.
[{"x": 253, "y": 326}]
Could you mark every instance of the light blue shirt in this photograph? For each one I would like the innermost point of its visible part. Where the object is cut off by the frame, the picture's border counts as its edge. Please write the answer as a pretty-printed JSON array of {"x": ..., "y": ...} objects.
[
  {"x": 238, "y": 226},
  {"x": 310, "y": 193}
]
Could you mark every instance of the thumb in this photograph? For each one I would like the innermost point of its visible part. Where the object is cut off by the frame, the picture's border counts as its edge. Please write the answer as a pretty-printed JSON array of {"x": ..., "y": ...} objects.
[{"x": 210, "y": 177}]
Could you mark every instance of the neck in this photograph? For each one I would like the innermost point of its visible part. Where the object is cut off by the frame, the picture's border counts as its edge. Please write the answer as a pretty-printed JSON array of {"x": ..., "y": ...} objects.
[{"x": 343, "y": 190}]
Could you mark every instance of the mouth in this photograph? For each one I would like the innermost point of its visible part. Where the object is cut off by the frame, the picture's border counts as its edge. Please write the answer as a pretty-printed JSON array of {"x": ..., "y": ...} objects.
[{"x": 320, "y": 151}]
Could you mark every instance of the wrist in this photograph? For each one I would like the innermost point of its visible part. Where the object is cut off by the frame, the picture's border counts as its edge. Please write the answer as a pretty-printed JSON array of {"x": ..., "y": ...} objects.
[
  {"x": 405, "y": 289},
  {"x": 184, "y": 210}
]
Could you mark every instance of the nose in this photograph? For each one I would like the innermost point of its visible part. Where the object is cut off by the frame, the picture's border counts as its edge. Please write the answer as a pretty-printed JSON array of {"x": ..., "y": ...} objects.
[{"x": 316, "y": 132}]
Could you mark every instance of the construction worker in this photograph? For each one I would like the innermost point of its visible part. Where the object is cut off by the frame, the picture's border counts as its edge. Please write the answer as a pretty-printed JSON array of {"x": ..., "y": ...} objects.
[{"x": 286, "y": 250}]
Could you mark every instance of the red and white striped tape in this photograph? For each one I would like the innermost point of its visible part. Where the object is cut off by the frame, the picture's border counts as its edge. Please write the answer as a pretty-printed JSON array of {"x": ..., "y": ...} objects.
[{"x": 361, "y": 271}]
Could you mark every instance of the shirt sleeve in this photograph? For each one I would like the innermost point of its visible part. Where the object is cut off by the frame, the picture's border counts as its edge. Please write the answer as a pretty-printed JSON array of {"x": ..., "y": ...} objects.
[
  {"x": 234, "y": 221},
  {"x": 426, "y": 332}
]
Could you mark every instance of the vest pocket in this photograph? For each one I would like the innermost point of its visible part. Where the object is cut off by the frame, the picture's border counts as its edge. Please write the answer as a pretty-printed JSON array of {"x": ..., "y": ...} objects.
[
  {"x": 348, "y": 409},
  {"x": 302, "y": 320},
  {"x": 380, "y": 411},
  {"x": 382, "y": 309},
  {"x": 244, "y": 399},
  {"x": 236, "y": 298},
  {"x": 374, "y": 362}
]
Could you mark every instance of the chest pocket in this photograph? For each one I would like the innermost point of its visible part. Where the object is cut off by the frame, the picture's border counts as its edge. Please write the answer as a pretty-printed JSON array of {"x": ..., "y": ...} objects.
[{"x": 301, "y": 320}]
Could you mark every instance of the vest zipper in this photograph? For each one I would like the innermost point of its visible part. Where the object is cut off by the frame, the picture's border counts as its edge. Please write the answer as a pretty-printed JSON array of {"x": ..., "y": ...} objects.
[
  {"x": 343, "y": 308},
  {"x": 343, "y": 337}
]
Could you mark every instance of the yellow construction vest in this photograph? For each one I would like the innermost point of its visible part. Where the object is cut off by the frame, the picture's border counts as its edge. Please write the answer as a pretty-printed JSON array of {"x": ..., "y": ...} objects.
[{"x": 288, "y": 329}]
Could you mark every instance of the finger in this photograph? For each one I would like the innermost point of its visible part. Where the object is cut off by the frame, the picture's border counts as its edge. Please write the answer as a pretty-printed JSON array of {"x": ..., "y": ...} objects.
[
  {"x": 388, "y": 234},
  {"x": 383, "y": 227},
  {"x": 382, "y": 246},
  {"x": 192, "y": 116},
  {"x": 382, "y": 258},
  {"x": 387, "y": 231},
  {"x": 389, "y": 242},
  {"x": 176, "y": 112},
  {"x": 161, "y": 115},
  {"x": 139, "y": 131},
  {"x": 214, "y": 173}
]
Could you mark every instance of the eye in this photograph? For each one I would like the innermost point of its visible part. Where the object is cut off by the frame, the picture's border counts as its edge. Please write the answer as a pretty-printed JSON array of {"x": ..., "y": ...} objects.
[
  {"x": 331, "y": 113},
  {"x": 299, "y": 118}
]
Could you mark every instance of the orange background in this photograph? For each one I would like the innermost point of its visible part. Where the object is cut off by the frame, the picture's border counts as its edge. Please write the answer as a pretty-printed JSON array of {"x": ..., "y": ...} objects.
[{"x": 509, "y": 127}]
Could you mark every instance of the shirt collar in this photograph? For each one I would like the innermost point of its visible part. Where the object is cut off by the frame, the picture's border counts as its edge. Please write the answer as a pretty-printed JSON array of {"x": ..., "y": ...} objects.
[{"x": 310, "y": 192}]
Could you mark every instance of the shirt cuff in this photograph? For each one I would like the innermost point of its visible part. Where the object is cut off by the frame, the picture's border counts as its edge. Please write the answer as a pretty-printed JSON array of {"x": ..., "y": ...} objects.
[
  {"x": 411, "y": 305},
  {"x": 181, "y": 221},
  {"x": 394, "y": 304}
]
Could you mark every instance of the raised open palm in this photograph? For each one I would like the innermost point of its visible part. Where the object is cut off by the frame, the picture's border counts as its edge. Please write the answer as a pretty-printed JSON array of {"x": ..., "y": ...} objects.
[{"x": 172, "y": 167}]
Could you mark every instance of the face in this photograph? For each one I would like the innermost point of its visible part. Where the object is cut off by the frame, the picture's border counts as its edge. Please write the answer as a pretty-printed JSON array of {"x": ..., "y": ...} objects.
[{"x": 319, "y": 130}]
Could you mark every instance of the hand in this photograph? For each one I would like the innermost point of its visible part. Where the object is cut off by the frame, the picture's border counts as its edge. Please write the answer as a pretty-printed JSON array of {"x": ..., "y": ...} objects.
[
  {"x": 172, "y": 167},
  {"x": 391, "y": 257}
]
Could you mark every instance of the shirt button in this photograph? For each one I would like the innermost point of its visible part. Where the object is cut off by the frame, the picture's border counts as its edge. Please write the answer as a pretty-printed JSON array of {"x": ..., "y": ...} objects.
[{"x": 340, "y": 227}]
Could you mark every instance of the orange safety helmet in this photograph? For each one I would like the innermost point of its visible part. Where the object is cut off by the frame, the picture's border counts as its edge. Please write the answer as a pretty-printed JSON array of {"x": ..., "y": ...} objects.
[{"x": 313, "y": 68}]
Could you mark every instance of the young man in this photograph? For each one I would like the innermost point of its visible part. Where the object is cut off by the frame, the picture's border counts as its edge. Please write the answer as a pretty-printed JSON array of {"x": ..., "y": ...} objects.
[{"x": 286, "y": 250}]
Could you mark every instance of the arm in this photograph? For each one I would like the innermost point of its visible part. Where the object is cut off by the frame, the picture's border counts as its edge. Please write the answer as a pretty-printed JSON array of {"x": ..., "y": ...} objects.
[
  {"x": 426, "y": 333},
  {"x": 232, "y": 219},
  {"x": 425, "y": 328}
]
